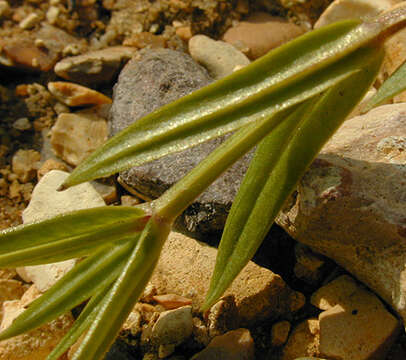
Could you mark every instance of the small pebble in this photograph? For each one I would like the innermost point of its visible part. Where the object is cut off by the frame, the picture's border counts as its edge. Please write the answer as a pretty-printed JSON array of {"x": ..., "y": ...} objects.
[
  {"x": 218, "y": 57},
  {"x": 22, "y": 124},
  {"x": 4, "y": 8},
  {"x": 30, "y": 21},
  {"x": 260, "y": 33},
  {"x": 172, "y": 301},
  {"x": 280, "y": 333},
  {"x": 52, "y": 15},
  {"x": 25, "y": 164},
  {"x": 76, "y": 95},
  {"x": 49, "y": 165}
]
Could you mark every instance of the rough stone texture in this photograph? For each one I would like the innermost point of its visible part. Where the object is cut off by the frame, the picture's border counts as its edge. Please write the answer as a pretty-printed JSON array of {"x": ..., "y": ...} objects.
[
  {"x": 280, "y": 333},
  {"x": 185, "y": 268},
  {"x": 25, "y": 164},
  {"x": 48, "y": 165},
  {"x": 308, "y": 264},
  {"x": 355, "y": 324},
  {"x": 20, "y": 50},
  {"x": 9, "y": 290},
  {"x": 151, "y": 80},
  {"x": 223, "y": 316},
  {"x": 218, "y": 57},
  {"x": 159, "y": 77},
  {"x": 260, "y": 33},
  {"x": 76, "y": 95},
  {"x": 47, "y": 202},
  {"x": 233, "y": 345},
  {"x": 173, "y": 327},
  {"x": 351, "y": 204},
  {"x": 303, "y": 341},
  {"x": 95, "y": 67},
  {"x": 352, "y": 9},
  {"x": 171, "y": 301},
  {"x": 76, "y": 136}
]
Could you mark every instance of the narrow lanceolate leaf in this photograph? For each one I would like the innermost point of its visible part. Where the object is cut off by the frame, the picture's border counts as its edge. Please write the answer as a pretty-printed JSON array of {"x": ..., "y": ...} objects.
[
  {"x": 81, "y": 324},
  {"x": 125, "y": 292},
  {"x": 87, "y": 278},
  {"x": 67, "y": 236},
  {"x": 232, "y": 102},
  {"x": 280, "y": 161},
  {"x": 179, "y": 196},
  {"x": 394, "y": 85}
]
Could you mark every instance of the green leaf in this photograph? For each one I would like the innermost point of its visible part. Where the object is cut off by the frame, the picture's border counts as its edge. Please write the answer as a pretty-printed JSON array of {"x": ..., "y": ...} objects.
[
  {"x": 224, "y": 106},
  {"x": 67, "y": 236},
  {"x": 394, "y": 85},
  {"x": 125, "y": 292},
  {"x": 81, "y": 324},
  {"x": 87, "y": 278},
  {"x": 279, "y": 163},
  {"x": 181, "y": 194}
]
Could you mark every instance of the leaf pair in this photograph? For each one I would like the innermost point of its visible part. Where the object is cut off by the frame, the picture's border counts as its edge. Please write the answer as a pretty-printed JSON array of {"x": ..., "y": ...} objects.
[
  {"x": 69, "y": 235},
  {"x": 279, "y": 163}
]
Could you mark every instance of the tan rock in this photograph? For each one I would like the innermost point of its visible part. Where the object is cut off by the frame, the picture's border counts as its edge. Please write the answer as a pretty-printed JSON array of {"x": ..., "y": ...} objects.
[
  {"x": 95, "y": 67},
  {"x": 352, "y": 9},
  {"x": 44, "y": 276},
  {"x": 29, "y": 296},
  {"x": 10, "y": 309},
  {"x": 222, "y": 317},
  {"x": 9, "y": 290},
  {"x": 7, "y": 274},
  {"x": 260, "y": 33},
  {"x": 76, "y": 95},
  {"x": 280, "y": 333},
  {"x": 76, "y": 136},
  {"x": 172, "y": 301},
  {"x": 303, "y": 341},
  {"x": 29, "y": 21},
  {"x": 355, "y": 324},
  {"x": 25, "y": 164},
  {"x": 259, "y": 293},
  {"x": 233, "y": 345},
  {"x": 308, "y": 264},
  {"x": 45, "y": 203},
  {"x": 21, "y": 51},
  {"x": 218, "y": 57},
  {"x": 133, "y": 323},
  {"x": 145, "y": 39},
  {"x": 35, "y": 344},
  {"x": 48, "y": 165},
  {"x": 351, "y": 204},
  {"x": 4, "y": 8}
]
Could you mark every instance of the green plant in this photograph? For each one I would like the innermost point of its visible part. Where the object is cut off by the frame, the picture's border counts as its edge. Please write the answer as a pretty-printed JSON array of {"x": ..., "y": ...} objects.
[{"x": 288, "y": 103}]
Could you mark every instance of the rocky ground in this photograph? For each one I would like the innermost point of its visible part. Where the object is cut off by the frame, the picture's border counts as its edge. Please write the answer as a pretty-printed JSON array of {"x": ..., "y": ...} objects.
[{"x": 338, "y": 293}]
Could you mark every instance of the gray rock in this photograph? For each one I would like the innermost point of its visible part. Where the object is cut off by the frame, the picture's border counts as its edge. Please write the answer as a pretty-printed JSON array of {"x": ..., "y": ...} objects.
[{"x": 145, "y": 84}]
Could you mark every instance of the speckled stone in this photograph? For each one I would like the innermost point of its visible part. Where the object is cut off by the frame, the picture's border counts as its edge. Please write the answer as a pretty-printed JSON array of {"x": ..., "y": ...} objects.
[{"x": 154, "y": 79}]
